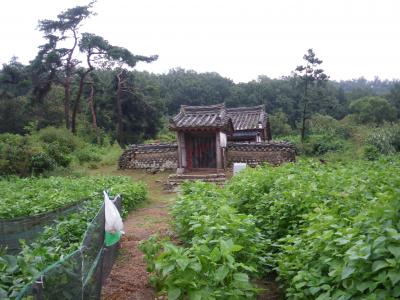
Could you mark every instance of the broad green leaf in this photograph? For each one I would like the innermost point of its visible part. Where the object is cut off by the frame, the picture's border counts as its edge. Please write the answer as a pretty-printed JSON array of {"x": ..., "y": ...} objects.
[
  {"x": 396, "y": 291},
  {"x": 168, "y": 269},
  {"x": 378, "y": 265},
  {"x": 347, "y": 271},
  {"x": 221, "y": 273},
  {"x": 196, "y": 267},
  {"x": 324, "y": 296},
  {"x": 362, "y": 286},
  {"x": 226, "y": 246},
  {"x": 395, "y": 250},
  {"x": 314, "y": 290},
  {"x": 195, "y": 295},
  {"x": 215, "y": 254},
  {"x": 393, "y": 233},
  {"x": 342, "y": 241},
  {"x": 365, "y": 252},
  {"x": 182, "y": 263},
  {"x": 241, "y": 277},
  {"x": 3, "y": 294},
  {"x": 236, "y": 248},
  {"x": 12, "y": 265},
  {"x": 394, "y": 277},
  {"x": 300, "y": 284},
  {"x": 173, "y": 293}
]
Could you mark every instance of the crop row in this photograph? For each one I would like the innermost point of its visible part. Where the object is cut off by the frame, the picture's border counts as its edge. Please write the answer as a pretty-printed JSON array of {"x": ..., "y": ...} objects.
[
  {"x": 32, "y": 196},
  {"x": 330, "y": 231},
  {"x": 65, "y": 235}
]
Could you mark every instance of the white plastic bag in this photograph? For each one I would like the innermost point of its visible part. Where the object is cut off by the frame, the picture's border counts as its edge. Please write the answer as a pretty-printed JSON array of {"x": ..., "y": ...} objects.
[{"x": 113, "y": 219}]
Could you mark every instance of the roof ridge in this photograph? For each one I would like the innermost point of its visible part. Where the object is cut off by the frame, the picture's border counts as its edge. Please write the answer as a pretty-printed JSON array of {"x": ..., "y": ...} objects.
[
  {"x": 186, "y": 108},
  {"x": 246, "y": 108}
]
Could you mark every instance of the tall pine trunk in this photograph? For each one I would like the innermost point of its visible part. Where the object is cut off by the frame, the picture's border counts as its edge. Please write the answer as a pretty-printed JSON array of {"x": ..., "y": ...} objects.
[
  {"x": 119, "y": 109},
  {"x": 78, "y": 98},
  {"x": 303, "y": 123},
  {"x": 67, "y": 82},
  {"x": 76, "y": 104},
  {"x": 67, "y": 96},
  {"x": 93, "y": 112}
]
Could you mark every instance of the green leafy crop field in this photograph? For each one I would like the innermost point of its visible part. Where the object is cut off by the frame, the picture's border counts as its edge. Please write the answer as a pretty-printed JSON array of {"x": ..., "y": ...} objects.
[
  {"x": 65, "y": 235},
  {"x": 32, "y": 196},
  {"x": 328, "y": 230}
]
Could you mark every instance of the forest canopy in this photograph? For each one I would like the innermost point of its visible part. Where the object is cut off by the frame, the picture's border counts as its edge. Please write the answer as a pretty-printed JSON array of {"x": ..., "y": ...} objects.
[{"x": 148, "y": 99}]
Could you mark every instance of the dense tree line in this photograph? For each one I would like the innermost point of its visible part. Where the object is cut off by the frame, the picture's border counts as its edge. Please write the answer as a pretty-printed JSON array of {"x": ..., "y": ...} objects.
[
  {"x": 147, "y": 99},
  {"x": 102, "y": 93}
]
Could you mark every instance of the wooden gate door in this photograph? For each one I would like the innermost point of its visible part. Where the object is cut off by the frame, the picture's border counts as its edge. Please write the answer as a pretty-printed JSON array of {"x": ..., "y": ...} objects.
[{"x": 200, "y": 151}]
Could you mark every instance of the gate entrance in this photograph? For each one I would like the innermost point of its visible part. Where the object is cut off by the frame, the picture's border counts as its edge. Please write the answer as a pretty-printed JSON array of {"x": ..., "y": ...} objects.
[{"x": 200, "y": 151}]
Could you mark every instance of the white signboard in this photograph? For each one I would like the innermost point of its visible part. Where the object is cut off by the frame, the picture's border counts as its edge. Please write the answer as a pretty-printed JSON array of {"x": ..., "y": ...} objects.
[
  {"x": 237, "y": 167},
  {"x": 222, "y": 139}
]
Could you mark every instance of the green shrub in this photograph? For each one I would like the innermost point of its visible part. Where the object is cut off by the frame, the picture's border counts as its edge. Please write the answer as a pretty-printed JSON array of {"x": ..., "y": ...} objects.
[
  {"x": 328, "y": 126},
  {"x": 59, "y": 153},
  {"x": 278, "y": 198},
  {"x": 63, "y": 137},
  {"x": 111, "y": 155},
  {"x": 199, "y": 271},
  {"x": 386, "y": 138},
  {"x": 321, "y": 144},
  {"x": 280, "y": 125},
  {"x": 25, "y": 155},
  {"x": 203, "y": 213},
  {"x": 371, "y": 152},
  {"x": 316, "y": 145},
  {"x": 221, "y": 249},
  {"x": 49, "y": 149},
  {"x": 331, "y": 230},
  {"x": 344, "y": 258},
  {"x": 351, "y": 251},
  {"x": 16, "y": 153},
  {"x": 373, "y": 109},
  {"x": 88, "y": 154},
  {"x": 42, "y": 162}
]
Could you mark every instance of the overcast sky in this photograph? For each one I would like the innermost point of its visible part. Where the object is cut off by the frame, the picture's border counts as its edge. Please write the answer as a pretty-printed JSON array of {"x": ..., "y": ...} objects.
[{"x": 238, "y": 39}]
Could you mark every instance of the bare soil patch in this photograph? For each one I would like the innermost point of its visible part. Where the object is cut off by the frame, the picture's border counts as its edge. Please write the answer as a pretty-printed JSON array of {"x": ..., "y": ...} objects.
[{"x": 129, "y": 278}]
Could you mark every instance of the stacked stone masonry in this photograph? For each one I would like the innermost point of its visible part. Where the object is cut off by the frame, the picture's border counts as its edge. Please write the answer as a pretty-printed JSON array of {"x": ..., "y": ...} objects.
[
  {"x": 255, "y": 154},
  {"x": 165, "y": 156},
  {"x": 152, "y": 156}
]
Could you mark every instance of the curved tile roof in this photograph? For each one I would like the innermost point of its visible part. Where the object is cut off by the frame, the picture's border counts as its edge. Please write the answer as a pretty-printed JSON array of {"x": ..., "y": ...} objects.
[
  {"x": 210, "y": 116},
  {"x": 218, "y": 116},
  {"x": 248, "y": 118}
]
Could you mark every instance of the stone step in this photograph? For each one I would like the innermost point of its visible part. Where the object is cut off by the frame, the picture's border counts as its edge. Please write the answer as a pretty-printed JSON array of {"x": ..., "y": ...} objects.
[
  {"x": 180, "y": 181},
  {"x": 196, "y": 176},
  {"x": 174, "y": 180}
]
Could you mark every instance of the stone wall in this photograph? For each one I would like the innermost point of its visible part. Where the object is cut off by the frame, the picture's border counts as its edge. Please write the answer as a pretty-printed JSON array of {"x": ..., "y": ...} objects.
[
  {"x": 152, "y": 156},
  {"x": 255, "y": 154},
  {"x": 165, "y": 156}
]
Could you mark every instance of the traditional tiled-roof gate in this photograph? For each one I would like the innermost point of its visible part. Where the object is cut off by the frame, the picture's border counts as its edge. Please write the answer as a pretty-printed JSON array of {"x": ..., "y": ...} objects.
[
  {"x": 202, "y": 135},
  {"x": 202, "y": 144}
]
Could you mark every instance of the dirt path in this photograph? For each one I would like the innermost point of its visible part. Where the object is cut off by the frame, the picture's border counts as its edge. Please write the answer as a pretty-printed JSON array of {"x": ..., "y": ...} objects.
[{"x": 129, "y": 278}]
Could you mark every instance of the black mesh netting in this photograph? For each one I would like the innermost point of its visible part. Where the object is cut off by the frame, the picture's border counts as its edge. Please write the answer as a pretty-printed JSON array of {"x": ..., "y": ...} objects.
[
  {"x": 29, "y": 228},
  {"x": 79, "y": 275}
]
